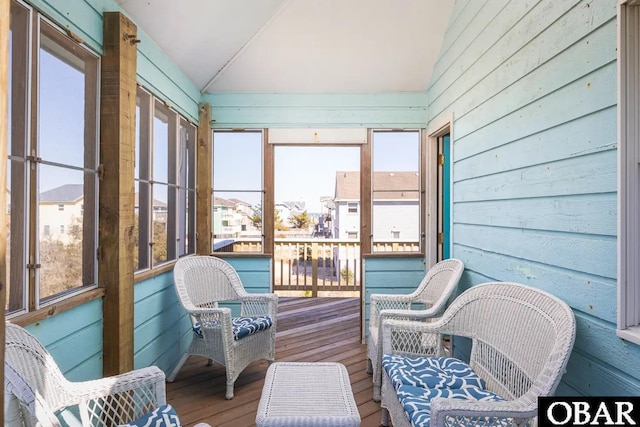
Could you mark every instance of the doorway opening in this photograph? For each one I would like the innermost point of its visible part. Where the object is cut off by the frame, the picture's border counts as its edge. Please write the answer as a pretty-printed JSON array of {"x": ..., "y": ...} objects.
[{"x": 317, "y": 220}]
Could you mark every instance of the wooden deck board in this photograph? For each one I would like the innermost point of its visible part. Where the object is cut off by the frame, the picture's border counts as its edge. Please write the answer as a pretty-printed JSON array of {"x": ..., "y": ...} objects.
[{"x": 309, "y": 330}]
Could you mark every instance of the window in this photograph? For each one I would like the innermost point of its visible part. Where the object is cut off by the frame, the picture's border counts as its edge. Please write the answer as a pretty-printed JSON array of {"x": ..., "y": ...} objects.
[
  {"x": 629, "y": 162},
  {"x": 396, "y": 190},
  {"x": 237, "y": 188},
  {"x": 164, "y": 183},
  {"x": 352, "y": 207},
  {"x": 53, "y": 159}
]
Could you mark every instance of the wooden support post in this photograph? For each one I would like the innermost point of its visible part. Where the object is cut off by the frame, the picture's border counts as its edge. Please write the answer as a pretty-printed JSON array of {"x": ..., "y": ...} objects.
[
  {"x": 116, "y": 204},
  {"x": 204, "y": 187},
  {"x": 4, "y": 97}
]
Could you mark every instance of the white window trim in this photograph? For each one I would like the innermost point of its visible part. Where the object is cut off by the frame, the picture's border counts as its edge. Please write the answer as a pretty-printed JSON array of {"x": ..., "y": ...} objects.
[{"x": 628, "y": 326}]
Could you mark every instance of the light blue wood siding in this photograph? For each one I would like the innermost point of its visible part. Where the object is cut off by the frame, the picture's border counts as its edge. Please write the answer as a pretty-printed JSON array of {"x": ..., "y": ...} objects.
[
  {"x": 379, "y": 110},
  {"x": 390, "y": 276},
  {"x": 532, "y": 90},
  {"x": 160, "y": 323},
  {"x": 74, "y": 339}
]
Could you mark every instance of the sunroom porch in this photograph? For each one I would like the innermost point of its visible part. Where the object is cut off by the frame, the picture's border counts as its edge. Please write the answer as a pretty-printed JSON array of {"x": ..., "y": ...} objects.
[{"x": 508, "y": 82}]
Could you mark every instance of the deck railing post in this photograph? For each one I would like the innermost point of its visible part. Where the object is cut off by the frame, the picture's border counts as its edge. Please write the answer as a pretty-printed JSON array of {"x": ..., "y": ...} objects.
[{"x": 314, "y": 269}]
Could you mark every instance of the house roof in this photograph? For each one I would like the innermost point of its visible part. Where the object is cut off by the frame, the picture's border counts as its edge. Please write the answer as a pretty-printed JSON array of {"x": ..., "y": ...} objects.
[
  {"x": 64, "y": 194},
  {"x": 298, "y": 205},
  {"x": 298, "y": 46},
  {"x": 386, "y": 185}
]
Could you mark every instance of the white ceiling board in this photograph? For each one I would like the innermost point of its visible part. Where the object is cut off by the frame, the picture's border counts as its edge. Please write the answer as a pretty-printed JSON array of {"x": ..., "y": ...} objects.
[
  {"x": 200, "y": 36},
  {"x": 289, "y": 46}
]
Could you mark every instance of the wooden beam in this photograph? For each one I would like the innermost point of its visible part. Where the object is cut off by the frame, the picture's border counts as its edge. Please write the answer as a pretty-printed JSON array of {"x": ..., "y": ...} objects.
[
  {"x": 4, "y": 97},
  {"x": 116, "y": 199},
  {"x": 204, "y": 182},
  {"x": 269, "y": 205},
  {"x": 365, "y": 196}
]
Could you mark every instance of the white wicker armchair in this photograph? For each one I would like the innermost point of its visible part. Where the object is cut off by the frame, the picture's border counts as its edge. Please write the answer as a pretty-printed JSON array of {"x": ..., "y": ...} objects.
[
  {"x": 433, "y": 292},
  {"x": 201, "y": 283},
  {"x": 521, "y": 340},
  {"x": 37, "y": 393}
]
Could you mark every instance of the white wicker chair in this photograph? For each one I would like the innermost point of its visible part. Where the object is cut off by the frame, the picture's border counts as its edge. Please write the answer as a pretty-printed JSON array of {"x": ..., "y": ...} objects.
[
  {"x": 201, "y": 283},
  {"x": 521, "y": 339},
  {"x": 37, "y": 393},
  {"x": 434, "y": 291}
]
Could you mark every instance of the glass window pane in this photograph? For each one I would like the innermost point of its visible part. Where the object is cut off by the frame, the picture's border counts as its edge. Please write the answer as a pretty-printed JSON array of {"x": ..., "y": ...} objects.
[
  {"x": 237, "y": 195},
  {"x": 61, "y": 237},
  {"x": 396, "y": 191},
  {"x": 159, "y": 221},
  {"x": 160, "y": 143},
  {"x": 237, "y": 217},
  {"x": 237, "y": 161},
  {"x": 61, "y": 103}
]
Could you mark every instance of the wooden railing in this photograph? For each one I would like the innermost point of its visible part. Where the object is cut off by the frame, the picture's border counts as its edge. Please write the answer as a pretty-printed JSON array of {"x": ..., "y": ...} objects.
[
  {"x": 317, "y": 265},
  {"x": 313, "y": 267}
]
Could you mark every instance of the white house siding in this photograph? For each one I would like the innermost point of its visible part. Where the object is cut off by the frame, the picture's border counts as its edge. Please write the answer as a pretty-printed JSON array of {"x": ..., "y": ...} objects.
[
  {"x": 346, "y": 222},
  {"x": 50, "y": 215},
  {"x": 399, "y": 216},
  {"x": 532, "y": 90}
]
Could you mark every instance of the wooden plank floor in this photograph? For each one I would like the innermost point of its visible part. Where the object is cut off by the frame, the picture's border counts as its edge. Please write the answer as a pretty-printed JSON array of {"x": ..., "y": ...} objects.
[{"x": 309, "y": 330}]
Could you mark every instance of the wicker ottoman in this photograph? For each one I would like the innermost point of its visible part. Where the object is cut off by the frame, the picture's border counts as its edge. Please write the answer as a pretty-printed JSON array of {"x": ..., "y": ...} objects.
[{"x": 307, "y": 394}]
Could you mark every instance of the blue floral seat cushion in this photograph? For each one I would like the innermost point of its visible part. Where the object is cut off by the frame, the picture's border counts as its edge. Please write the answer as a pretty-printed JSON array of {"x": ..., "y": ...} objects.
[
  {"x": 416, "y": 401},
  {"x": 163, "y": 416},
  {"x": 430, "y": 372},
  {"x": 242, "y": 326}
]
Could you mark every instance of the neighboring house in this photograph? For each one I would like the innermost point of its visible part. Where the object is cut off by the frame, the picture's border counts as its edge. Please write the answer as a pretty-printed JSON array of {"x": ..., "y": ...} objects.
[
  {"x": 58, "y": 209},
  {"x": 160, "y": 209},
  {"x": 232, "y": 218},
  {"x": 61, "y": 206},
  {"x": 288, "y": 209},
  {"x": 396, "y": 213}
]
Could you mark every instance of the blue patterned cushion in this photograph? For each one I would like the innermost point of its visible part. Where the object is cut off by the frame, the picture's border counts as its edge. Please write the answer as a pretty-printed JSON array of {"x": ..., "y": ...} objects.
[
  {"x": 242, "y": 326},
  {"x": 164, "y": 416},
  {"x": 430, "y": 372},
  {"x": 416, "y": 401}
]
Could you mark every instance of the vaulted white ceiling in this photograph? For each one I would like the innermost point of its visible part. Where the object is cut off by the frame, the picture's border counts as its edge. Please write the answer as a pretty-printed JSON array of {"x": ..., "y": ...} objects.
[{"x": 298, "y": 46}]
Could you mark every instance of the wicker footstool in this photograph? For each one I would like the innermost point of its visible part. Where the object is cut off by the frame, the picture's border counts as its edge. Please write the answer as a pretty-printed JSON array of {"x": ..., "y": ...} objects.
[{"x": 307, "y": 394}]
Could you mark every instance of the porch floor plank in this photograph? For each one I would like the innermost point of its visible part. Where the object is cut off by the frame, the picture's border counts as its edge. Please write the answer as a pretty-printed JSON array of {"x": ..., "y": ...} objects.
[{"x": 309, "y": 330}]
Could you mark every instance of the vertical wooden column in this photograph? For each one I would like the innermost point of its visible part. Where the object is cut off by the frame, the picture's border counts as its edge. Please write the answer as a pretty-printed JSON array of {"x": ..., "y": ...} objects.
[
  {"x": 204, "y": 187},
  {"x": 268, "y": 204},
  {"x": 4, "y": 98},
  {"x": 116, "y": 201},
  {"x": 365, "y": 196}
]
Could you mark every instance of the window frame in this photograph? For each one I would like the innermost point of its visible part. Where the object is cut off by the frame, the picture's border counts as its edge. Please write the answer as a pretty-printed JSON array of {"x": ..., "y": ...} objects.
[
  {"x": 266, "y": 191},
  {"x": 181, "y": 145},
  {"x": 628, "y": 322},
  {"x": 24, "y": 281},
  {"x": 367, "y": 211}
]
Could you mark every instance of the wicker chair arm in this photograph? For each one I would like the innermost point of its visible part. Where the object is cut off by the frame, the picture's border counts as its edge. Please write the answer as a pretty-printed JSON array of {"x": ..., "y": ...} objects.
[
  {"x": 407, "y": 338},
  {"x": 379, "y": 302},
  {"x": 409, "y": 314},
  {"x": 382, "y": 298},
  {"x": 453, "y": 412},
  {"x": 260, "y": 305}
]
